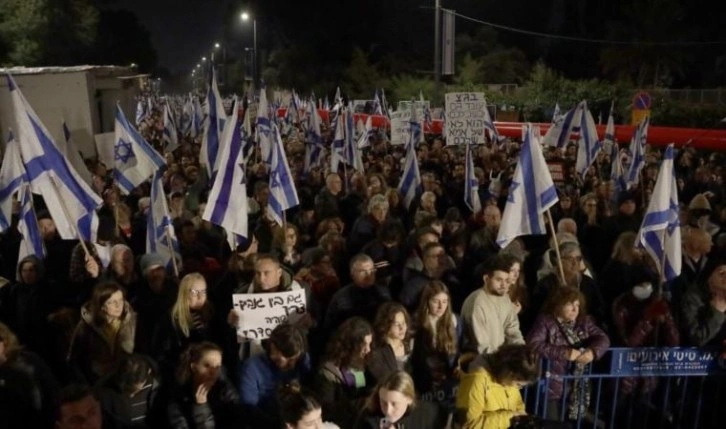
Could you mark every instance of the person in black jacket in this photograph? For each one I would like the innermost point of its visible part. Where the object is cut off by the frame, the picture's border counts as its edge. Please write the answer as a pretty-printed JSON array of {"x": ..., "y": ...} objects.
[
  {"x": 202, "y": 397},
  {"x": 28, "y": 389},
  {"x": 128, "y": 395},
  {"x": 393, "y": 405}
]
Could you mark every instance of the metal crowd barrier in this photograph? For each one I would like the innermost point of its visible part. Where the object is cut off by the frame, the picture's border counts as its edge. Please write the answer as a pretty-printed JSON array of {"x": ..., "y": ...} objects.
[{"x": 641, "y": 388}]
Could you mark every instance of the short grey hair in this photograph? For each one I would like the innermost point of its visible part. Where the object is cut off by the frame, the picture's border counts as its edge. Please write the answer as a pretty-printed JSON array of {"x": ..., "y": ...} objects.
[{"x": 377, "y": 201}]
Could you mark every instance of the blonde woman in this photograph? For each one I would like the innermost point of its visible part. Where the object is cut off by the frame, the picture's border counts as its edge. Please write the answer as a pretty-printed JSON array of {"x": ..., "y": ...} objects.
[
  {"x": 393, "y": 405},
  {"x": 188, "y": 322}
]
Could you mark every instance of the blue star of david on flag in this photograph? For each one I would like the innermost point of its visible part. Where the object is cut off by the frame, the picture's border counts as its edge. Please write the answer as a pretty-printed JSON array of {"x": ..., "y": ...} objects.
[
  {"x": 512, "y": 188},
  {"x": 123, "y": 151}
]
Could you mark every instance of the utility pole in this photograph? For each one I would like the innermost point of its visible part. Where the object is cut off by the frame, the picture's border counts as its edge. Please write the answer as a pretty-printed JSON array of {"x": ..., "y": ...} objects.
[{"x": 437, "y": 42}]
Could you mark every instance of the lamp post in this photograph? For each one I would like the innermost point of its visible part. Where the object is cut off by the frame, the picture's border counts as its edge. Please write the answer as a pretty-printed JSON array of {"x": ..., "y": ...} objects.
[{"x": 246, "y": 17}]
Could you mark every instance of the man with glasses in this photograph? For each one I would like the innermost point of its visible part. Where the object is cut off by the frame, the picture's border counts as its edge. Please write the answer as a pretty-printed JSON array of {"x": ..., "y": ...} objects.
[
  {"x": 360, "y": 298},
  {"x": 437, "y": 266}
]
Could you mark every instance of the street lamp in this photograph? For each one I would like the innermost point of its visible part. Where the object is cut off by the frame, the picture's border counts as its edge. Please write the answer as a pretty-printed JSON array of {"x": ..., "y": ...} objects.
[
  {"x": 204, "y": 59},
  {"x": 246, "y": 17},
  {"x": 216, "y": 45}
]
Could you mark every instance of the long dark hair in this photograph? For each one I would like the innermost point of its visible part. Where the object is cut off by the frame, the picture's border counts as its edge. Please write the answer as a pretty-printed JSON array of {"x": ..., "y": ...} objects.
[
  {"x": 445, "y": 331},
  {"x": 192, "y": 355},
  {"x": 295, "y": 402},
  {"x": 101, "y": 293},
  {"x": 513, "y": 362},
  {"x": 346, "y": 341}
]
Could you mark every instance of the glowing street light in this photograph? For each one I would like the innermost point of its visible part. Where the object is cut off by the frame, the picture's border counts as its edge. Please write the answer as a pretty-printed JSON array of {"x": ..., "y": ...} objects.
[
  {"x": 216, "y": 46},
  {"x": 245, "y": 16},
  {"x": 204, "y": 59}
]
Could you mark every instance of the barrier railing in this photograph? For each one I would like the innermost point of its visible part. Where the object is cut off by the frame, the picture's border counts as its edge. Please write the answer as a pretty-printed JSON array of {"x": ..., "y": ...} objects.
[{"x": 636, "y": 388}]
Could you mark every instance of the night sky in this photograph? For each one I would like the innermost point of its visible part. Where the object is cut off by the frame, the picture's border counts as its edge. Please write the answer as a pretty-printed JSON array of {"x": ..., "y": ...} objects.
[{"x": 182, "y": 31}]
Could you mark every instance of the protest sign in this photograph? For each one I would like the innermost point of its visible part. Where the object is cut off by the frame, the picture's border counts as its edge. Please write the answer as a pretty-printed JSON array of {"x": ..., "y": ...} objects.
[
  {"x": 465, "y": 118},
  {"x": 666, "y": 361},
  {"x": 260, "y": 313},
  {"x": 401, "y": 126}
]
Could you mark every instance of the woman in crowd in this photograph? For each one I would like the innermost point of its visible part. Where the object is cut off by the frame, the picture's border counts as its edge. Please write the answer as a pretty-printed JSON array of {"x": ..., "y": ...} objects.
[
  {"x": 301, "y": 410},
  {"x": 436, "y": 343},
  {"x": 106, "y": 332},
  {"x": 188, "y": 323},
  {"x": 625, "y": 268},
  {"x": 569, "y": 338},
  {"x": 202, "y": 397},
  {"x": 285, "y": 246},
  {"x": 341, "y": 380},
  {"x": 392, "y": 341},
  {"x": 28, "y": 389},
  {"x": 394, "y": 405},
  {"x": 488, "y": 396}
]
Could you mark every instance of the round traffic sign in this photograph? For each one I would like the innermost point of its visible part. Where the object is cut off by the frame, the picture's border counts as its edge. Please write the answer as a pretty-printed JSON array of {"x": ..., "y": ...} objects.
[{"x": 642, "y": 101}]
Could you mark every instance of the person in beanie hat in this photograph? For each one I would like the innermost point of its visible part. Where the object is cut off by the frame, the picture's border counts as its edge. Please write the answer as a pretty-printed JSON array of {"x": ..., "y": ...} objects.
[
  {"x": 626, "y": 219},
  {"x": 156, "y": 293},
  {"x": 699, "y": 214}
]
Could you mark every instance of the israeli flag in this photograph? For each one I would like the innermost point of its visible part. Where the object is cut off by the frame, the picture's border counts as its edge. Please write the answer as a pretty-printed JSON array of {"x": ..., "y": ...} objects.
[
  {"x": 531, "y": 193},
  {"x": 213, "y": 127},
  {"x": 31, "y": 242},
  {"x": 197, "y": 122},
  {"x": 471, "y": 184},
  {"x": 12, "y": 176},
  {"x": 338, "y": 146},
  {"x": 160, "y": 236},
  {"x": 227, "y": 203},
  {"x": 411, "y": 179},
  {"x": 637, "y": 153},
  {"x": 351, "y": 154},
  {"x": 140, "y": 112},
  {"x": 377, "y": 109},
  {"x": 283, "y": 194},
  {"x": 135, "y": 160},
  {"x": 588, "y": 144},
  {"x": 616, "y": 171},
  {"x": 559, "y": 132},
  {"x": 265, "y": 135},
  {"x": 610, "y": 129},
  {"x": 67, "y": 148},
  {"x": 365, "y": 137},
  {"x": 660, "y": 232},
  {"x": 170, "y": 136},
  {"x": 313, "y": 140},
  {"x": 71, "y": 201}
]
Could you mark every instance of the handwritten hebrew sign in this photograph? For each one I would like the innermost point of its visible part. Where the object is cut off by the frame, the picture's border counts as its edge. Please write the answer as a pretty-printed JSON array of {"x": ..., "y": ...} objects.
[
  {"x": 465, "y": 118},
  {"x": 260, "y": 313}
]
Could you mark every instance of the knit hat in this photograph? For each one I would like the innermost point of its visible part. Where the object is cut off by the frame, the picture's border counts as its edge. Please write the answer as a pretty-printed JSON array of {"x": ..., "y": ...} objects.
[
  {"x": 699, "y": 202},
  {"x": 150, "y": 261}
]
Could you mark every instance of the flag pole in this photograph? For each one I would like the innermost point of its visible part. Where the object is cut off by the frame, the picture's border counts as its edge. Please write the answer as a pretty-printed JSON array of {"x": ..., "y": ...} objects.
[
  {"x": 68, "y": 216},
  {"x": 171, "y": 251},
  {"x": 557, "y": 247}
]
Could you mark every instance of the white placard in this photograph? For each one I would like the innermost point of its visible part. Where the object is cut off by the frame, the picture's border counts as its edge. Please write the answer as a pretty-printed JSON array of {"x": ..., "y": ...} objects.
[
  {"x": 401, "y": 127},
  {"x": 465, "y": 118},
  {"x": 260, "y": 313}
]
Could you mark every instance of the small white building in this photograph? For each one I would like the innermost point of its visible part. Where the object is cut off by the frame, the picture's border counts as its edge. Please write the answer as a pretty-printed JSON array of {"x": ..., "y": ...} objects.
[{"x": 84, "y": 97}]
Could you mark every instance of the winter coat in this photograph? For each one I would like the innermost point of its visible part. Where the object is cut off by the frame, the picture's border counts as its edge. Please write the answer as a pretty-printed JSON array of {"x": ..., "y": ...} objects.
[
  {"x": 28, "y": 392},
  {"x": 548, "y": 339},
  {"x": 488, "y": 404},
  {"x": 90, "y": 354},
  {"x": 702, "y": 324},
  {"x": 340, "y": 402},
  {"x": 222, "y": 409},
  {"x": 635, "y": 322}
]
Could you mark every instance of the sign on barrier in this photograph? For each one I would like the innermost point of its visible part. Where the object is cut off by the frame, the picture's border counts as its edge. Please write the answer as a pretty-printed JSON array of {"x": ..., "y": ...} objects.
[{"x": 666, "y": 362}]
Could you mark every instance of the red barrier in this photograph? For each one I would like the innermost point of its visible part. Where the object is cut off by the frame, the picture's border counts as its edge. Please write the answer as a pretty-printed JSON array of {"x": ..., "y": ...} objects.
[{"x": 700, "y": 138}]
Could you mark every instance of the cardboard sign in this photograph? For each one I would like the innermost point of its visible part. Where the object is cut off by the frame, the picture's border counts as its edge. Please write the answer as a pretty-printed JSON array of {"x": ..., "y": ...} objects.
[
  {"x": 465, "y": 118},
  {"x": 260, "y": 313},
  {"x": 557, "y": 171}
]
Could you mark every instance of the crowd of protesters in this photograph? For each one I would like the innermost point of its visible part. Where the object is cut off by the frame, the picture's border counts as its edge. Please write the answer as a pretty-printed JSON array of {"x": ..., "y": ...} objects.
[{"x": 415, "y": 317}]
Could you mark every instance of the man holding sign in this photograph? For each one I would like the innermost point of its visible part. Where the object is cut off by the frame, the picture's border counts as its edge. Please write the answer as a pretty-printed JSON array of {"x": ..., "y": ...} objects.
[{"x": 270, "y": 300}]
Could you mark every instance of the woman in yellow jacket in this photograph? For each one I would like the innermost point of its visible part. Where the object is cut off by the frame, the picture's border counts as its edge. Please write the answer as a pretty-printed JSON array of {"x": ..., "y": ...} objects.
[{"x": 488, "y": 394}]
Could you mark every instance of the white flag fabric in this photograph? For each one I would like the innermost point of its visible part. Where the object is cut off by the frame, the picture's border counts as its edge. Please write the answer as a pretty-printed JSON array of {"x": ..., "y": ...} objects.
[
  {"x": 471, "y": 184},
  {"x": 265, "y": 136},
  {"x": 71, "y": 201},
  {"x": 637, "y": 152},
  {"x": 338, "y": 147},
  {"x": 213, "y": 127},
  {"x": 31, "y": 242},
  {"x": 559, "y": 132},
  {"x": 283, "y": 194},
  {"x": 12, "y": 175},
  {"x": 227, "y": 203},
  {"x": 171, "y": 138},
  {"x": 411, "y": 179},
  {"x": 588, "y": 145},
  {"x": 135, "y": 160},
  {"x": 660, "y": 232},
  {"x": 160, "y": 236},
  {"x": 69, "y": 149},
  {"x": 531, "y": 193}
]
